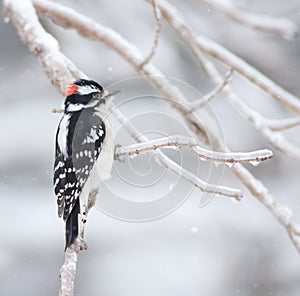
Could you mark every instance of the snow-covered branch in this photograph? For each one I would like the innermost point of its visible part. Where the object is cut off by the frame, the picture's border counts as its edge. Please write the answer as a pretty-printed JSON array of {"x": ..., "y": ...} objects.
[
  {"x": 67, "y": 272},
  {"x": 281, "y": 26},
  {"x": 171, "y": 142},
  {"x": 57, "y": 67},
  {"x": 230, "y": 158},
  {"x": 177, "y": 142}
]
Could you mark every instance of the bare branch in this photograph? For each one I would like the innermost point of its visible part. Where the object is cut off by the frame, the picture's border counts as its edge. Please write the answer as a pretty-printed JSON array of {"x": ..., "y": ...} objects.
[
  {"x": 158, "y": 20},
  {"x": 281, "y": 26}
]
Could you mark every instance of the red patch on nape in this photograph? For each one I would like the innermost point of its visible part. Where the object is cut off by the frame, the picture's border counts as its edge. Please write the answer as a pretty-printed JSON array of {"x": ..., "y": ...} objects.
[{"x": 72, "y": 89}]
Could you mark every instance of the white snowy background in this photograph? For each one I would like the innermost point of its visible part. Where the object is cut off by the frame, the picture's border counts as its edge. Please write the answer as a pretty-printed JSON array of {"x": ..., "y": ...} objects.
[{"x": 224, "y": 248}]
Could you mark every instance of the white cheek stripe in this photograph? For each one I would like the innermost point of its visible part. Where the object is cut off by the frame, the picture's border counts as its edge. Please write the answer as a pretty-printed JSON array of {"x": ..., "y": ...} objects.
[{"x": 78, "y": 107}]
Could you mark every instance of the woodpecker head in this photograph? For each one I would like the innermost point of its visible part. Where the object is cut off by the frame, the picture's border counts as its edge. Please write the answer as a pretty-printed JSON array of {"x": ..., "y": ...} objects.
[{"x": 83, "y": 94}]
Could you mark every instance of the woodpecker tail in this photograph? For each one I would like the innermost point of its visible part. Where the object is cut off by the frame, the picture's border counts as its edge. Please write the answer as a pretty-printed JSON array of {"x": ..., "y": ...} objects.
[{"x": 72, "y": 227}]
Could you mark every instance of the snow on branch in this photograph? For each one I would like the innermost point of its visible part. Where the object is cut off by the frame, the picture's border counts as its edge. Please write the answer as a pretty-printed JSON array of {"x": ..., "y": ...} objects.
[
  {"x": 281, "y": 26},
  {"x": 230, "y": 158},
  {"x": 67, "y": 271},
  {"x": 57, "y": 67},
  {"x": 177, "y": 142},
  {"x": 172, "y": 142}
]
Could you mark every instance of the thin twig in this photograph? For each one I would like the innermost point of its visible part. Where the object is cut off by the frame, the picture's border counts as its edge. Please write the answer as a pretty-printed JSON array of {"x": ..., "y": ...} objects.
[
  {"x": 158, "y": 20},
  {"x": 58, "y": 111},
  {"x": 207, "y": 98}
]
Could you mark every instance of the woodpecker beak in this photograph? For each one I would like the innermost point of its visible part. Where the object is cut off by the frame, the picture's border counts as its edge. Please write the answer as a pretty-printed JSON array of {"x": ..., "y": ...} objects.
[{"x": 107, "y": 94}]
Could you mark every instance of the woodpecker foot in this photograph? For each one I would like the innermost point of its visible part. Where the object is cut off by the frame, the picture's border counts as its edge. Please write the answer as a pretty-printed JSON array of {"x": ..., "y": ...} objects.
[{"x": 81, "y": 244}]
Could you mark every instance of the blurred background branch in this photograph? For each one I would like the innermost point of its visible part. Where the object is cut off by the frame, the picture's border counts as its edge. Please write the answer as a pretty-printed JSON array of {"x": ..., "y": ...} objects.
[{"x": 281, "y": 26}]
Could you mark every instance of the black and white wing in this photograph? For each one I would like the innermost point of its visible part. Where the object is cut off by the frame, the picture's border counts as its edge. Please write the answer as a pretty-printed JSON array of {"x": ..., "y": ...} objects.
[{"x": 79, "y": 142}]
